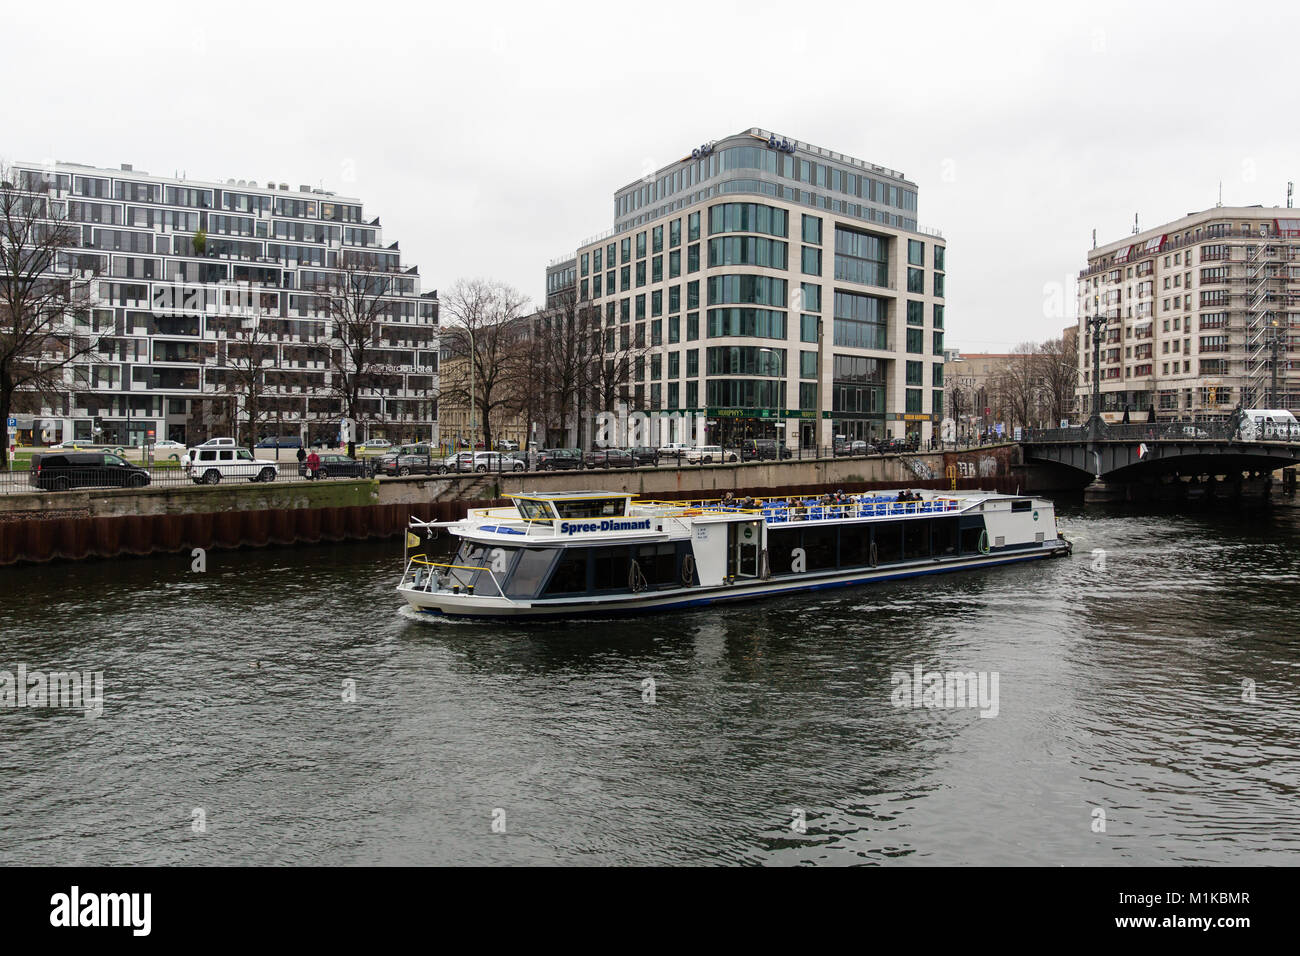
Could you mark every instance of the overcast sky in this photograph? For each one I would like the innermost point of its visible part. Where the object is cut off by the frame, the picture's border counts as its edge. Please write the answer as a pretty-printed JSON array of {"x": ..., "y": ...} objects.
[{"x": 490, "y": 138}]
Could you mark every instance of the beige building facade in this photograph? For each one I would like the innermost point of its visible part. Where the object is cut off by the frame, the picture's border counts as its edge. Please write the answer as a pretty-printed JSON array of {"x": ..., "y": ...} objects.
[{"x": 1200, "y": 315}]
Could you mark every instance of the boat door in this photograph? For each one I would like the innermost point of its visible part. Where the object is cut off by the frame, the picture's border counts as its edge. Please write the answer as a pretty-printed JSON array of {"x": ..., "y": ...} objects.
[{"x": 744, "y": 539}]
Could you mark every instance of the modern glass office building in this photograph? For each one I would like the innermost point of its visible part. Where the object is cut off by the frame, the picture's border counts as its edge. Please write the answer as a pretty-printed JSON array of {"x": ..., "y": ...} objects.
[
  {"x": 188, "y": 279},
  {"x": 783, "y": 290}
]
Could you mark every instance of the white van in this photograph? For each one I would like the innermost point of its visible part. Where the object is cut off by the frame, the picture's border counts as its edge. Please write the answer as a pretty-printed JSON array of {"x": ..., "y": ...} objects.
[
  {"x": 1269, "y": 424},
  {"x": 707, "y": 454},
  {"x": 208, "y": 466}
]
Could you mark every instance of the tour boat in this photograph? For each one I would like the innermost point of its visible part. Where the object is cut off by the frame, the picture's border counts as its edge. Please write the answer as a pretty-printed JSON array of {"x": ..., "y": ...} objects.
[{"x": 585, "y": 553}]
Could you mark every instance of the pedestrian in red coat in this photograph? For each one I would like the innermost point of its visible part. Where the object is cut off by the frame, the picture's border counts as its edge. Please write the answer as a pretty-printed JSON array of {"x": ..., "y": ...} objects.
[{"x": 313, "y": 465}]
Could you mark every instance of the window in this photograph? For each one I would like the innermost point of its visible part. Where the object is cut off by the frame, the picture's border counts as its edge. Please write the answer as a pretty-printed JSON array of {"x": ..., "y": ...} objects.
[
  {"x": 812, "y": 229},
  {"x": 675, "y": 233},
  {"x": 626, "y": 250},
  {"x": 657, "y": 302},
  {"x": 861, "y": 257},
  {"x": 914, "y": 399},
  {"x": 938, "y": 284},
  {"x": 640, "y": 307},
  {"x": 692, "y": 326},
  {"x": 915, "y": 252},
  {"x": 674, "y": 364},
  {"x": 915, "y": 341},
  {"x": 674, "y": 263},
  {"x": 747, "y": 250},
  {"x": 812, "y": 261},
  {"x": 757, "y": 323},
  {"x": 810, "y": 296},
  {"x": 939, "y": 255},
  {"x": 693, "y": 294},
  {"x": 657, "y": 239},
  {"x": 693, "y": 227},
  {"x": 674, "y": 329},
  {"x": 916, "y": 280},
  {"x": 938, "y": 343},
  {"x": 747, "y": 217},
  {"x": 915, "y": 371},
  {"x": 625, "y": 278},
  {"x": 915, "y": 313},
  {"x": 807, "y": 364},
  {"x": 656, "y": 269},
  {"x": 746, "y": 290},
  {"x": 808, "y": 328},
  {"x": 938, "y": 316},
  {"x": 640, "y": 245},
  {"x": 860, "y": 321}
]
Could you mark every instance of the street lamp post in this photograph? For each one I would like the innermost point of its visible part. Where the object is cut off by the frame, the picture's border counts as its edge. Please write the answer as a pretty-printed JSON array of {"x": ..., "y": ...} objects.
[{"x": 1095, "y": 324}]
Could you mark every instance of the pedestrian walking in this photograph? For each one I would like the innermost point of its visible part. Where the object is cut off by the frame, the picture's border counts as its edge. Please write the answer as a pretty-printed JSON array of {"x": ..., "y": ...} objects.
[
  {"x": 302, "y": 459},
  {"x": 313, "y": 465}
]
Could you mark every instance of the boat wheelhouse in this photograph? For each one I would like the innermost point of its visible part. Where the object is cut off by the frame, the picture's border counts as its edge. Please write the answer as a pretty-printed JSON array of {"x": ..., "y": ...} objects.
[{"x": 583, "y": 553}]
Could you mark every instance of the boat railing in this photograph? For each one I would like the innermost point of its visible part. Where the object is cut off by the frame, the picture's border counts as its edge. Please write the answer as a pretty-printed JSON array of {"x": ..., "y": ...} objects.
[
  {"x": 810, "y": 509},
  {"x": 418, "y": 579}
]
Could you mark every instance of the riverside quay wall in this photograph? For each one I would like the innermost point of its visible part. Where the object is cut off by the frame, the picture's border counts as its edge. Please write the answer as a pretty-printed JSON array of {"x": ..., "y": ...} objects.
[{"x": 106, "y": 523}]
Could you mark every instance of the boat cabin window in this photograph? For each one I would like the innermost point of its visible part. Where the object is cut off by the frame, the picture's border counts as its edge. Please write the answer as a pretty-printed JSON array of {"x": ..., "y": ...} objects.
[
  {"x": 591, "y": 507},
  {"x": 532, "y": 510},
  {"x": 1024, "y": 504}
]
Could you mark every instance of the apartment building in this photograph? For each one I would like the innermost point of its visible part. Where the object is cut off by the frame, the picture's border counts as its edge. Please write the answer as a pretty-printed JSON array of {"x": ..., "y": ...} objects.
[
  {"x": 1200, "y": 314},
  {"x": 185, "y": 278},
  {"x": 781, "y": 289}
]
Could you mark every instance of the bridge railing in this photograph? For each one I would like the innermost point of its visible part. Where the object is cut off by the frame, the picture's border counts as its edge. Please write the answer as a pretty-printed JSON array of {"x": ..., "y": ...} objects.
[{"x": 1138, "y": 431}]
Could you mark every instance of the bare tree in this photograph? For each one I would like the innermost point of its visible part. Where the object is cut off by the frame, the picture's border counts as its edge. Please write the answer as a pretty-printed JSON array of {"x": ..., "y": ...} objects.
[
  {"x": 489, "y": 335},
  {"x": 613, "y": 356},
  {"x": 352, "y": 298},
  {"x": 249, "y": 355},
  {"x": 561, "y": 357},
  {"x": 1019, "y": 384},
  {"x": 1059, "y": 370},
  {"x": 44, "y": 321}
]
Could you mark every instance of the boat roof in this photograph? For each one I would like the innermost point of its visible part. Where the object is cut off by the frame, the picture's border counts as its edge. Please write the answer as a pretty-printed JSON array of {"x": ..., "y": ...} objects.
[{"x": 570, "y": 495}]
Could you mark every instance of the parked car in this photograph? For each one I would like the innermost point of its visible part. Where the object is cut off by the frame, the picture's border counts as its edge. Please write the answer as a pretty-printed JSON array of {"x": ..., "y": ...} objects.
[
  {"x": 168, "y": 445},
  {"x": 460, "y": 461},
  {"x": 507, "y": 444},
  {"x": 375, "y": 444},
  {"x": 764, "y": 449},
  {"x": 558, "y": 459},
  {"x": 608, "y": 458},
  {"x": 641, "y": 455},
  {"x": 62, "y": 471},
  {"x": 495, "y": 461},
  {"x": 851, "y": 447},
  {"x": 217, "y": 443},
  {"x": 674, "y": 451},
  {"x": 341, "y": 466},
  {"x": 73, "y": 443},
  {"x": 710, "y": 454},
  {"x": 387, "y": 464},
  {"x": 209, "y": 466}
]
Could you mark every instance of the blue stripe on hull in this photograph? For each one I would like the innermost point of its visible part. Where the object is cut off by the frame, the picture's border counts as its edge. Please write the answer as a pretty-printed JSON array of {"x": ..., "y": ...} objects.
[{"x": 722, "y": 597}]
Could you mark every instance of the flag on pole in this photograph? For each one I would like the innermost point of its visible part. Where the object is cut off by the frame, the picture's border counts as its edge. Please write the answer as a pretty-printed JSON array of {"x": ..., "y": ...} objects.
[{"x": 413, "y": 541}]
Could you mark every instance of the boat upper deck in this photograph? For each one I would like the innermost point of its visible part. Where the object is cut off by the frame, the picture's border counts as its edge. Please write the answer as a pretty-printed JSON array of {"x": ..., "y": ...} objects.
[{"x": 566, "y": 515}]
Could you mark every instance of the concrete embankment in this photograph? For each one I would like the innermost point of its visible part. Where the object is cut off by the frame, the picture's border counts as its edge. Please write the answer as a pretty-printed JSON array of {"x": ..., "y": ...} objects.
[{"x": 106, "y": 523}]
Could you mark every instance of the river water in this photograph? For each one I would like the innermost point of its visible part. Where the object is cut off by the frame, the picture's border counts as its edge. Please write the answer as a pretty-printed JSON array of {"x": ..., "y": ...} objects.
[{"x": 1124, "y": 733}]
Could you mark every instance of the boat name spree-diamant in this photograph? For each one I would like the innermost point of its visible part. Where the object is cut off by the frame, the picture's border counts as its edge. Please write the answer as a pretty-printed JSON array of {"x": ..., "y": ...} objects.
[{"x": 584, "y": 553}]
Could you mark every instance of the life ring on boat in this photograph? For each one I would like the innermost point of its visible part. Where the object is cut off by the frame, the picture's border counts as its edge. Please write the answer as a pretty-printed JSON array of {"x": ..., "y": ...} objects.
[
  {"x": 984, "y": 541},
  {"x": 688, "y": 570}
]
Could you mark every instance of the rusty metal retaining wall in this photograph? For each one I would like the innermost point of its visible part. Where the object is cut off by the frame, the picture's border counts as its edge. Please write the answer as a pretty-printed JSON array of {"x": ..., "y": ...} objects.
[{"x": 76, "y": 537}]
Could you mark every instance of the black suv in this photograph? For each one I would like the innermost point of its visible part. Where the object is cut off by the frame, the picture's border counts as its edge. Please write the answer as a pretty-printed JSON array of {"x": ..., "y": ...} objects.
[
  {"x": 641, "y": 455},
  {"x": 760, "y": 449},
  {"x": 556, "y": 459},
  {"x": 60, "y": 471}
]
